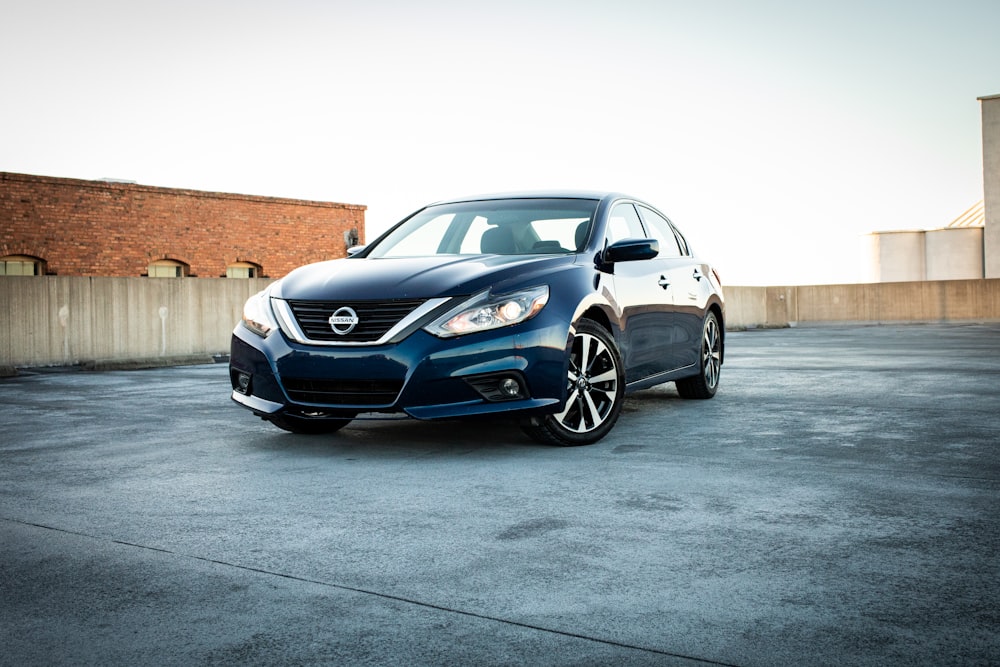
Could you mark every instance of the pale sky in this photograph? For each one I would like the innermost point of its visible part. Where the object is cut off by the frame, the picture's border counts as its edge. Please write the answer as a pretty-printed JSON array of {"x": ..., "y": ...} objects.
[{"x": 775, "y": 133}]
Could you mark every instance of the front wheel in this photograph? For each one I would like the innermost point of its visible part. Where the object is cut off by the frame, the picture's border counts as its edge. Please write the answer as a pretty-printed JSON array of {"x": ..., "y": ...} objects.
[
  {"x": 706, "y": 382},
  {"x": 595, "y": 386}
]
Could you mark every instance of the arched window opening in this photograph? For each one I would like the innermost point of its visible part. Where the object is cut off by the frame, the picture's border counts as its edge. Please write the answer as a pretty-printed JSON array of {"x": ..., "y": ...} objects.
[
  {"x": 167, "y": 268},
  {"x": 244, "y": 270},
  {"x": 21, "y": 265}
]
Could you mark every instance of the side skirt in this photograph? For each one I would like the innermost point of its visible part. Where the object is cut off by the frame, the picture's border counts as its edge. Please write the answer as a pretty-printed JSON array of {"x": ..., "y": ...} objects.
[{"x": 660, "y": 378}]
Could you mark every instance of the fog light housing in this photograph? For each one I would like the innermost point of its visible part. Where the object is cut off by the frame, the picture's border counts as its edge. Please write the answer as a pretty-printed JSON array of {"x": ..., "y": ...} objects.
[
  {"x": 510, "y": 387},
  {"x": 494, "y": 387},
  {"x": 241, "y": 382}
]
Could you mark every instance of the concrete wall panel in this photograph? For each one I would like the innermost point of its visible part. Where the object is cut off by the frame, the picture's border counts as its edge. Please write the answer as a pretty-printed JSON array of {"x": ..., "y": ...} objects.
[
  {"x": 53, "y": 320},
  {"x": 745, "y": 306}
]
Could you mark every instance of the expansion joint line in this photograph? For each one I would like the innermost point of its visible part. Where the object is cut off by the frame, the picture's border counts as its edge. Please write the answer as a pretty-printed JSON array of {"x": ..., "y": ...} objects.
[{"x": 385, "y": 596}]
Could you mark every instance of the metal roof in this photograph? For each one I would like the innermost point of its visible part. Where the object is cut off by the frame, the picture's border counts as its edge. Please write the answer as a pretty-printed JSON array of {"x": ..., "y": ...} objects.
[{"x": 974, "y": 217}]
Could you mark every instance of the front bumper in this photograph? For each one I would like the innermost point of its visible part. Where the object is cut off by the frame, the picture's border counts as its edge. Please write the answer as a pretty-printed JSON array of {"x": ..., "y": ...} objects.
[{"x": 423, "y": 376}]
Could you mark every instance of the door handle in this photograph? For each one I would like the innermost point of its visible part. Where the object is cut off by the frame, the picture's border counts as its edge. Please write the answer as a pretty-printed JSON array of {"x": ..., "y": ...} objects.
[{"x": 663, "y": 282}]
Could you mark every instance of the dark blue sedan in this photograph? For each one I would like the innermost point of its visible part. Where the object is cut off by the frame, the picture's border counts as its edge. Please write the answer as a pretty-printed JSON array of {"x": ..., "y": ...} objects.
[{"x": 547, "y": 307}]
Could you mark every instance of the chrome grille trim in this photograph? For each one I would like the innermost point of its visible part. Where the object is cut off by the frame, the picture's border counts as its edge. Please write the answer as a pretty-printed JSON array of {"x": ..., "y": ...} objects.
[{"x": 290, "y": 326}]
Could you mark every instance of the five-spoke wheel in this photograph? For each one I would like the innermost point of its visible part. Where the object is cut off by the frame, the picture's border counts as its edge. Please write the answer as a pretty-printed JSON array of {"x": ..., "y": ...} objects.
[
  {"x": 705, "y": 384},
  {"x": 595, "y": 387}
]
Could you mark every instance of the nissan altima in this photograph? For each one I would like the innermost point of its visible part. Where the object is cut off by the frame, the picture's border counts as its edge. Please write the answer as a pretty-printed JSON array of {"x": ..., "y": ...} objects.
[{"x": 547, "y": 308}]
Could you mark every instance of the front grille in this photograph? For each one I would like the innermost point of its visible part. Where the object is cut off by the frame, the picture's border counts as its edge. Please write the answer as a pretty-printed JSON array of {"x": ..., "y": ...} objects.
[
  {"x": 343, "y": 392},
  {"x": 375, "y": 318}
]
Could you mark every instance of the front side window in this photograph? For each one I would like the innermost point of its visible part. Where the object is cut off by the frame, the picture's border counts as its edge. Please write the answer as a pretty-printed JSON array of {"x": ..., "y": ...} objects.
[
  {"x": 499, "y": 227},
  {"x": 21, "y": 265},
  {"x": 623, "y": 223},
  {"x": 661, "y": 230}
]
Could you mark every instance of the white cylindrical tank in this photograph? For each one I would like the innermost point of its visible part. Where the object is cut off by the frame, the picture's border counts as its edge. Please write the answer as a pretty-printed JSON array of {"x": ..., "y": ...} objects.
[
  {"x": 954, "y": 253},
  {"x": 896, "y": 256}
]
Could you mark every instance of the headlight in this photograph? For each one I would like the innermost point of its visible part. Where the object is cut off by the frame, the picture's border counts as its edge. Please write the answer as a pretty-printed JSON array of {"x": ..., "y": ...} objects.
[
  {"x": 485, "y": 311},
  {"x": 257, "y": 314}
]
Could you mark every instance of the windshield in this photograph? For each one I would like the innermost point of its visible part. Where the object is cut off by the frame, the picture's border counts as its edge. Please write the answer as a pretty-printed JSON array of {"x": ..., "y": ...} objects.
[{"x": 499, "y": 227}]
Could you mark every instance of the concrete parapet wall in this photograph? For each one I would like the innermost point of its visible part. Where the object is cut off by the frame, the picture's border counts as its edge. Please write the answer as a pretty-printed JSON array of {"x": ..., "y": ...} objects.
[
  {"x": 876, "y": 303},
  {"x": 53, "y": 320}
]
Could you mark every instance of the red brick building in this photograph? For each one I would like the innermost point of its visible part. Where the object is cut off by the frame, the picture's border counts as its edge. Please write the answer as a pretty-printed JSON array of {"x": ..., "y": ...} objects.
[{"x": 71, "y": 227}]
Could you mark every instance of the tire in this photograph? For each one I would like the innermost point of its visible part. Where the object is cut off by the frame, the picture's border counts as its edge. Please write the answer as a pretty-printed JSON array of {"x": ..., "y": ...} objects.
[
  {"x": 595, "y": 392},
  {"x": 308, "y": 426},
  {"x": 706, "y": 382}
]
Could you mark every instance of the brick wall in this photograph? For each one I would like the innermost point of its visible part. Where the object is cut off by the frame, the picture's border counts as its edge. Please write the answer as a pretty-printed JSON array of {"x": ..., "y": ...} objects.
[{"x": 98, "y": 228}]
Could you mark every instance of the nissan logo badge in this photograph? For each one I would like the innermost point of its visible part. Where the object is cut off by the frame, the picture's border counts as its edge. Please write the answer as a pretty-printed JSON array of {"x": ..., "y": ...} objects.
[{"x": 343, "y": 320}]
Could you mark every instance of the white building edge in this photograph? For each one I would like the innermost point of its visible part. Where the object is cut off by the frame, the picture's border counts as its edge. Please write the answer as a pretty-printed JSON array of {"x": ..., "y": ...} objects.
[{"x": 967, "y": 248}]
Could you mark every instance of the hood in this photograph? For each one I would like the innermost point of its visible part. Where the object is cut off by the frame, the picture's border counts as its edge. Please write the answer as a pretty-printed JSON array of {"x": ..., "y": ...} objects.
[{"x": 364, "y": 279}]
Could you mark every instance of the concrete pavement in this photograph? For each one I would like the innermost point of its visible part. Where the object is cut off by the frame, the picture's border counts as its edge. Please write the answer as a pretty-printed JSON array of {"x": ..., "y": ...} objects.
[{"x": 836, "y": 503}]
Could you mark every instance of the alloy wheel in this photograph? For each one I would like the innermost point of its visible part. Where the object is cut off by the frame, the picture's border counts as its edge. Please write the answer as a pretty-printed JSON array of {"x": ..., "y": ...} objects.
[
  {"x": 592, "y": 385},
  {"x": 711, "y": 353}
]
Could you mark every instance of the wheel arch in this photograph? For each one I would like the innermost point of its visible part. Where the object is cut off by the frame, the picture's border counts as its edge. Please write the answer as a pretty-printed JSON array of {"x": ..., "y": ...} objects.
[
  {"x": 716, "y": 308},
  {"x": 596, "y": 314}
]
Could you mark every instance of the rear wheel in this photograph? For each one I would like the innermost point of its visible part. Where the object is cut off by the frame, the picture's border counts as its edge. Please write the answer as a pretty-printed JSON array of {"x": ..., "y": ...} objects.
[
  {"x": 706, "y": 382},
  {"x": 308, "y": 426},
  {"x": 595, "y": 386}
]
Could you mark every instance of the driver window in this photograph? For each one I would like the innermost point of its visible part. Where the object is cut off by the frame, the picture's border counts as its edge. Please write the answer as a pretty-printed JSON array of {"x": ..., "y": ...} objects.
[
  {"x": 623, "y": 223},
  {"x": 661, "y": 230}
]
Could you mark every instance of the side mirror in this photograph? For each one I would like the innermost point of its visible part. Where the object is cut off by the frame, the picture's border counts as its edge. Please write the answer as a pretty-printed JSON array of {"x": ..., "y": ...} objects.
[
  {"x": 631, "y": 250},
  {"x": 355, "y": 249}
]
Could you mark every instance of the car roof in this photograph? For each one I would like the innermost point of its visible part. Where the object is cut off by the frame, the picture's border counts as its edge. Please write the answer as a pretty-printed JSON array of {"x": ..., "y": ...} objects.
[{"x": 537, "y": 194}]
